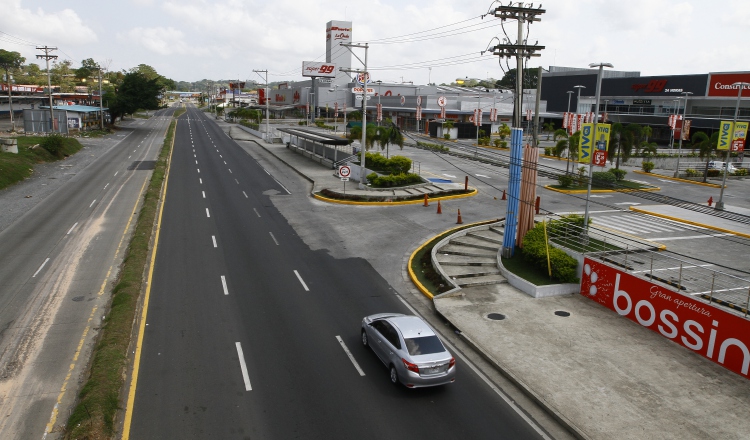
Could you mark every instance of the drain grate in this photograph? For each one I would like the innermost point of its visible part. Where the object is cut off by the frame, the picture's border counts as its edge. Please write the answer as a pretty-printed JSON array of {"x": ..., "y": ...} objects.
[
  {"x": 496, "y": 316},
  {"x": 562, "y": 313}
]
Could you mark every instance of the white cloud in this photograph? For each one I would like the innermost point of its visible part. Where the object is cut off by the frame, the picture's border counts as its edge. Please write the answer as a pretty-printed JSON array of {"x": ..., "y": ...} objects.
[
  {"x": 162, "y": 41},
  {"x": 63, "y": 27}
]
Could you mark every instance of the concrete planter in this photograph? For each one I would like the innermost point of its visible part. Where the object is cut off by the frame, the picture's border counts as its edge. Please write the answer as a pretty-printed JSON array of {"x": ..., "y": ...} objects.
[{"x": 534, "y": 290}]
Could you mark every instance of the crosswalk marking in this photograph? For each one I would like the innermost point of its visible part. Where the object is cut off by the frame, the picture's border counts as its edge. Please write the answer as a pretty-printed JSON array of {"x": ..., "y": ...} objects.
[{"x": 641, "y": 225}]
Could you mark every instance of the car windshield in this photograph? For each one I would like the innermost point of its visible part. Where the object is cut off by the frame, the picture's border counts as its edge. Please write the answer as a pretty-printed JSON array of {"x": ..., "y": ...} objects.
[{"x": 424, "y": 345}]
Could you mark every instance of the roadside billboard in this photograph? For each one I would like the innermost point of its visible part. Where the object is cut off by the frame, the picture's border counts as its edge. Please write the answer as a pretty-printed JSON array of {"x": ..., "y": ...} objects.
[
  {"x": 715, "y": 334},
  {"x": 726, "y": 131},
  {"x": 315, "y": 69},
  {"x": 739, "y": 136}
]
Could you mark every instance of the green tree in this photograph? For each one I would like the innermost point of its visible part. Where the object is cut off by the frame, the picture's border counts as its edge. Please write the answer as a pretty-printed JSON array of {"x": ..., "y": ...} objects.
[
  {"x": 10, "y": 62},
  {"x": 34, "y": 75},
  {"x": 503, "y": 131},
  {"x": 566, "y": 143},
  {"x": 371, "y": 135},
  {"x": 530, "y": 78},
  {"x": 549, "y": 127},
  {"x": 705, "y": 147},
  {"x": 133, "y": 93},
  {"x": 88, "y": 68},
  {"x": 389, "y": 134},
  {"x": 63, "y": 76}
]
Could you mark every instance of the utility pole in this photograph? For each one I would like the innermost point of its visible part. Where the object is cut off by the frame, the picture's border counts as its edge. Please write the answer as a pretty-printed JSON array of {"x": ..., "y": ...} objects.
[
  {"x": 536, "y": 107},
  {"x": 268, "y": 136},
  {"x": 48, "y": 57},
  {"x": 520, "y": 50},
  {"x": 101, "y": 100},
  {"x": 365, "y": 77}
]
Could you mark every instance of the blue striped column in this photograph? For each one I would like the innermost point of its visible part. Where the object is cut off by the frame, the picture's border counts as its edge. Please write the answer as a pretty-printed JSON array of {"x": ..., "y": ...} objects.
[{"x": 514, "y": 192}]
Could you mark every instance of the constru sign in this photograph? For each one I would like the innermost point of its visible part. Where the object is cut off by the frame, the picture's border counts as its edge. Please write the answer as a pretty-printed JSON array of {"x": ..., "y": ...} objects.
[{"x": 713, "y": 333}]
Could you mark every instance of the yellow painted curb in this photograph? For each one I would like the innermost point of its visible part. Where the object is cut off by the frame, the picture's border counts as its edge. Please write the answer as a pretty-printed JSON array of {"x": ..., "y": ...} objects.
[
  {"x": 661, "y": 176},
  {"x": 599, "y": 191},
  {"x": 401, "y": 202},
  {"x": 413, "y": 276},
  {"x": 690, "y": 222}
]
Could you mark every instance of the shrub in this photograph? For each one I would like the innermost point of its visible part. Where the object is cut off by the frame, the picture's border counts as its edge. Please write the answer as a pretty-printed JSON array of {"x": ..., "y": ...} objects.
[
  {"x": 430, "y": 146},
  {"x": 372, "y": 176},
  {"x": 394, "y": 165},
  {"x": 394, "y": 180},
  {"x": 647, "y": 166},
  {"x": 603, "y": 178},
  {"x": 690, "y": 172},
  {"x": 54, "y": 144},
  {"x": 548, "y": 151},
  {"x": 535, "y": 252},
  {"x": 740, "y": 172},
  {"x": 302, "y": 123},
  {"x": 497, "y": 142},
  {"x": 503, "y": 144},
  {"x": 714, "y": 173},
  {"x": 565, "y": 180},
  {"x": 447, "y": 136},
  {"x": 618, "y": 173}
]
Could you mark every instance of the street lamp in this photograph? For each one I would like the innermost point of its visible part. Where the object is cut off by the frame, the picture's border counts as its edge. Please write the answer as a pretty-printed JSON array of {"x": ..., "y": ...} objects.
[
  {"x": 569, "y": 92},
  {"x": 578, "y": 100},
  {"x": 335, "y": 90},
  {"x": 601, "y": 67},
  {"x": 679, "y": 146},
  {"x": 740, "y": 86}
]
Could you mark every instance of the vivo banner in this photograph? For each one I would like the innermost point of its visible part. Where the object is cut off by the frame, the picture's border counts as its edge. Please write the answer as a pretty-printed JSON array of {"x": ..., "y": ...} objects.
[
  {"x": 325, "y": 70},
  {"x": 713, "y": 333}
]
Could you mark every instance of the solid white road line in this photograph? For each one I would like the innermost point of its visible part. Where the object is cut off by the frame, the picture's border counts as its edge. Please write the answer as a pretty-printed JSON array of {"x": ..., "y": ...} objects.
[
  {"x": 482, "y": 175},
  {"x": 45, "y": 262},
  {"x": 92, "y": 203},
  {"x": 204, "y": 194},
  {"x": 281, "y": 185},
  {"x": 301, "y": 281},
  {"x": 274, "y": 238},
  {"x": 208, "y": 214},
  {"x": 256, "y": 212},
  {"x": 448, "y": 175},
  {"x": 243, "y": 367},
  {"x": 243, "y": 192},
  {"x": 71, "y": 228},
  {"x": 348, "y": 353},
  {"x": 224, "y": 285},
  {"x": 690, "y": 237},
  {"x": 213, "y": 238}
]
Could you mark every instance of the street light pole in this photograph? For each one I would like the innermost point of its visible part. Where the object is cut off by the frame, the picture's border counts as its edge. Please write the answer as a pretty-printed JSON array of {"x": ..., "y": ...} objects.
[
  {"x": 601, "y": 67},
  {"x": 569, "y": 92},
  {"x": 720, "y": 203},
  {"x": 679, "y": 146},
  {"x": 578, "y": 100}
]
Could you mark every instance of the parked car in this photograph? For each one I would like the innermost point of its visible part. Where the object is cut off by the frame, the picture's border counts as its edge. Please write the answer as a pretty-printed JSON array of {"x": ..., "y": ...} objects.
[
  {"x": 720, "y": 165},
  {"x": 410, "y": 348}
]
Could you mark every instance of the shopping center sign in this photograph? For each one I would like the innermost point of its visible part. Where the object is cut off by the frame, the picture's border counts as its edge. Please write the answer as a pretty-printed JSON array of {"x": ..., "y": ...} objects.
[
  {"x": 719, "y": 336},
  {"x": 721, "y": 84}
]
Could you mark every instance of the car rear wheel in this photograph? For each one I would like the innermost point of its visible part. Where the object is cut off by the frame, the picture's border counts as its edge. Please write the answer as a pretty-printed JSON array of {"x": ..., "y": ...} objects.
[
  {"x": 394, "y": 375},
  {"x": 365, "y": 342}
]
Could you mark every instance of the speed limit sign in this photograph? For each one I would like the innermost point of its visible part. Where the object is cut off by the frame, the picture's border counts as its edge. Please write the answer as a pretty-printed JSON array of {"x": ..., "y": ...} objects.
[{"x": 345, "y": 171}]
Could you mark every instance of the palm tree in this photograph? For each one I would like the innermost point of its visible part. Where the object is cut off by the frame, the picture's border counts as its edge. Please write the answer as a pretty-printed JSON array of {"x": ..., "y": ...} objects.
[
  {"x": 647, "y": 132},
  {"x": 389, "y": 134},
  {"x": 371, "y": 134},
  {"x": 634, "y": 141},
  {"x": 566, "y": 143},
  {"x": 648, "y": 149},
  {"x": 705, "y": 147},
  {"x": 614, "y": 147},
  {"x": 549, "y": 128}
]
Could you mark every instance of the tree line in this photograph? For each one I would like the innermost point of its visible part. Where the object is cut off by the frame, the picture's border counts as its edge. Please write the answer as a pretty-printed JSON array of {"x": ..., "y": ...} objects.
[{"x": 123, "y": 92}]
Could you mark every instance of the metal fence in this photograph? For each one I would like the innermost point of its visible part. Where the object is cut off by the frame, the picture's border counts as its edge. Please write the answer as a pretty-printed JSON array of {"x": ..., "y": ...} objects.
[{"x": 691, "y": 277}]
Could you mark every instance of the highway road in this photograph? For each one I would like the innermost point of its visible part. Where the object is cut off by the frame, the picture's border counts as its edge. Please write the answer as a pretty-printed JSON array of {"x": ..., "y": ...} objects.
[
  {"x": 57, "y": 263},
  {"x": 249, "y": 331}
]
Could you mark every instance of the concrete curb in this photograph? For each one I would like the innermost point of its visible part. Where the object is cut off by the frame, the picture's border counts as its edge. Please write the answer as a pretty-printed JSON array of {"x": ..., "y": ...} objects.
[
  {"x": 690, "y": 222},
  {"x": 284, "y": 162},
  {"x": 677, "y": 179},
  {"x": 599, "y": 191},
  {"x": 401, "y": 202},
  {"x": 539, "y": 400}
]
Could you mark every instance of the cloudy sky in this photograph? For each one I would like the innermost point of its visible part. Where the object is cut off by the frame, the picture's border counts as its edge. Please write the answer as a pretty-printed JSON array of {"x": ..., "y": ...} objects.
[{"x": 189, "y": 40}]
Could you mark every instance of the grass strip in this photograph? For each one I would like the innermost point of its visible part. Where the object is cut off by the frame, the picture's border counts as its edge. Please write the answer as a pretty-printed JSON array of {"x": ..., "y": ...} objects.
[
  {"x": 99, "y": 398},
  {"x": 17, "y": 167}
]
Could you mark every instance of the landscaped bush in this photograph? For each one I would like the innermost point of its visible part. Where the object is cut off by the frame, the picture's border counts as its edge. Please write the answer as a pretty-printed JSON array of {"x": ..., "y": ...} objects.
[
  {"x": 603, "y": 178},
  {"x": 740, "y": 172},
  {"x": 618, "y": 173},
  {"x": 497, "y": 142},
  {"x": 447, "y": 136},
  {"x": 547, "y": 151},
  {"x": 565, "y": 180},
  {"x": 430, "y": 146},
  {"x": 394, "y": 165},
  {"x": 394, "y": 180},
  {"x": 535, "y": 252},
  {"x": 647, "y": 166},
  {"x": 54, "y": 144},
  {"x": 690, "y": 172},
  {"x": 566, "y": 225},
  {"x": 714, "y": 173}
]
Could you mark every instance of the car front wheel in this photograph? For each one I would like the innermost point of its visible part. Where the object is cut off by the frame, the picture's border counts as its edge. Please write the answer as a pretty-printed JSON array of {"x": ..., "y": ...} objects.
[
  {"x": 364, "y": 339},
  {"x": 394, "y": 375}
]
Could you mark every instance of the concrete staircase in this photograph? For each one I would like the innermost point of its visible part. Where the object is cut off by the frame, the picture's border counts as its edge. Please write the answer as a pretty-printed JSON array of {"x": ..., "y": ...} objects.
[{"x": 469, "y": 258}]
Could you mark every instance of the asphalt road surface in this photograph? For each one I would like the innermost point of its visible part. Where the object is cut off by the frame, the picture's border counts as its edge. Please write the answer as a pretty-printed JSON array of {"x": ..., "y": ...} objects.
[
  {"x": 56, "y": 263},
  {"x": 242, "y": 336}
]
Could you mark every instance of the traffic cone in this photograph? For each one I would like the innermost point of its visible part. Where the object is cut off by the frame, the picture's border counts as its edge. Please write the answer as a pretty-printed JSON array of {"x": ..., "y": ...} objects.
[
  {"x": 440, "y": 209},
  {"x": 504, "y": 197},
  {"x": 460, "y": 220},
  {"x": 426, "y": 203}
]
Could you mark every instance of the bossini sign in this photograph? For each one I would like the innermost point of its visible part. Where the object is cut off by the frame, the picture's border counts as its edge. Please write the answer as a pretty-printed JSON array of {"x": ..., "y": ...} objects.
[{"x": 713, "y": 333}]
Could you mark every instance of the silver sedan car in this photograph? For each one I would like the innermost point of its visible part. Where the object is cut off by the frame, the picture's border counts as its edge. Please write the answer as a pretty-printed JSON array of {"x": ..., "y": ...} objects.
[{"x": 410, "y": 349}]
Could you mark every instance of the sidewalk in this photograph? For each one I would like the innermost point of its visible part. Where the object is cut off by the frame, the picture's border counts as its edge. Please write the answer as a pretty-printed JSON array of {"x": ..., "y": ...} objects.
[{"x": 603, "y": 376}]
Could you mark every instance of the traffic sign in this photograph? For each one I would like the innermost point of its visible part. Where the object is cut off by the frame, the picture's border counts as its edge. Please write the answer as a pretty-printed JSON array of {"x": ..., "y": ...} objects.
[
  {"x": 358, "y": 90},
  {"x": 363, "y": 78},
  {"x": 345, "y": 171},
  {"x": 441, "y": 101}
]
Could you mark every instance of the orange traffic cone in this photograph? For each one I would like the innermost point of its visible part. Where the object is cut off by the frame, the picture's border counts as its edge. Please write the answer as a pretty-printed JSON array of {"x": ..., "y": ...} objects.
[
  {"x": 460, "y": 220},
  {"x": 440, "y": 209},
  {"x": 426, "y": 203},
  {"x": 504, "y": 197}
]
